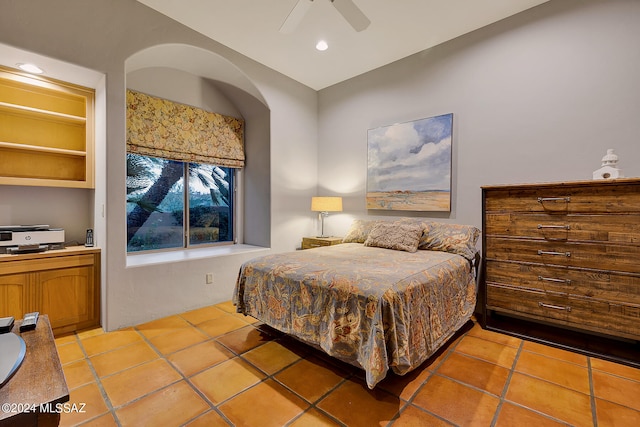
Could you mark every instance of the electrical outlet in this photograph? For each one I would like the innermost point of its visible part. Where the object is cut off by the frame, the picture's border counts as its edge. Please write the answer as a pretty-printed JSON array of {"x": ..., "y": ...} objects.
[{"x": 209, "y": 278}]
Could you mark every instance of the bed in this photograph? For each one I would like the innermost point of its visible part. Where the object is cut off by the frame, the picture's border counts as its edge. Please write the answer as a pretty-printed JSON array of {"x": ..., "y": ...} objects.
[{"x": 388, "y": 297}]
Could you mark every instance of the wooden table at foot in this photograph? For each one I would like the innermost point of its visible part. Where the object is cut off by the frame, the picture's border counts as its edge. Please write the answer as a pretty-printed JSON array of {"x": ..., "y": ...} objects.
[{"x": 38, "y": 384}]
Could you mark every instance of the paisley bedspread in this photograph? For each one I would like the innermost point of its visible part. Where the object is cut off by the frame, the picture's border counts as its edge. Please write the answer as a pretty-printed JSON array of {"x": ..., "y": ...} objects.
[{"x": 374, "y": 308}]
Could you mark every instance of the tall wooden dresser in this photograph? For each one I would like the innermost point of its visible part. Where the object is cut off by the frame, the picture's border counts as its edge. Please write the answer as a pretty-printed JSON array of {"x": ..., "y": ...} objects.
[{"x": 563, "y": 265}]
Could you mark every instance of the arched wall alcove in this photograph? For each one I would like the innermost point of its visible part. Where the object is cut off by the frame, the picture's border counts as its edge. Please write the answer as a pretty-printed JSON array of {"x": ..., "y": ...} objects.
[{"x": 176, "y": 71}]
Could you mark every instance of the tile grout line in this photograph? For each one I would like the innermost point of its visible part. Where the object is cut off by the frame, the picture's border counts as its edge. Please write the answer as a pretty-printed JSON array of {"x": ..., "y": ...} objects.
[
  {"x": 267, "y": 375},
  {"x": 106, "y": 396},
  {"x": 350, "y": 375},
  {"x": 183, "y": 377},
  {"x": 448, "y": 351},
  {"x": 594, "y": 414},
  {"x": 543, "y": 414},
  {"x": 103, "y": 392},
  {"x": 312, "y": 405},
  {"x": 506, "y": 384},
  {"x": 212, "y": 406},
  {"x": 161, "y": 356}
]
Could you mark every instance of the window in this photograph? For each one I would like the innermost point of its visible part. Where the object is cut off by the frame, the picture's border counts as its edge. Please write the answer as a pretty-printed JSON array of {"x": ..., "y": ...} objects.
[{"x": 160, "y": 191}]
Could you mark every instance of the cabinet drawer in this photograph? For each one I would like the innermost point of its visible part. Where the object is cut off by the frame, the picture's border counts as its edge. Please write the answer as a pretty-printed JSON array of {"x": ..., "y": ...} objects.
[
  {"x": 25, "y": 266},
  {"x": 570, "y": 227},
  {"x": 583, "y": 313},
  {"x": 311, "y": 242},
  {"x": 568, "y": 199},
  {"x": 604, "y": 285},
  {"x": 618, "y": 257}
]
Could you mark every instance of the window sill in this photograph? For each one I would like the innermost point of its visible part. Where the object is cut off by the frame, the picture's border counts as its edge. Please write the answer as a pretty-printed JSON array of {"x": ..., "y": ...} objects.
[{"x": 141, "y": 260}]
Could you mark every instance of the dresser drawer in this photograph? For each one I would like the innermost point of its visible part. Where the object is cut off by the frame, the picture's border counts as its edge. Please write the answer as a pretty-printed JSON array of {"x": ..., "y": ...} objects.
[
  {"x": 566, "y": 199},
  {"x": 569, "y": 227},
  {"x": 618, "y": 257},
  {"x": 600, "y": 284},
  {"x": 584, "y": 313},
  {"x": 540, "y": 304}
]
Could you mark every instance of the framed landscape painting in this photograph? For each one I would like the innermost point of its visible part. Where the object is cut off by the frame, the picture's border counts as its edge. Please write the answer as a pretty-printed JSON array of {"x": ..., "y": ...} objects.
[{"x": 409, "y": 165}]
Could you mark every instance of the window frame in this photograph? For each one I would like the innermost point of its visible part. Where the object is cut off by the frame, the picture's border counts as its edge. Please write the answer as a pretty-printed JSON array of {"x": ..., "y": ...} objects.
[
  {"x": 186, "y": 244},
  {"x": 186, "y": 223}
]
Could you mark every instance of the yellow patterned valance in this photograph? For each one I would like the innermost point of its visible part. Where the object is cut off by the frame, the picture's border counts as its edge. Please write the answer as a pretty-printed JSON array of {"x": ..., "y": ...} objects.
[{"x": 161, "y": 128}]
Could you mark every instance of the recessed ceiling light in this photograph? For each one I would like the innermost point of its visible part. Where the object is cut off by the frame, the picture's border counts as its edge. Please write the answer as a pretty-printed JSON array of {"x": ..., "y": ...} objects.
[
  {"x": 30, "y": 68},
  {"x": 322, "y": 45}
]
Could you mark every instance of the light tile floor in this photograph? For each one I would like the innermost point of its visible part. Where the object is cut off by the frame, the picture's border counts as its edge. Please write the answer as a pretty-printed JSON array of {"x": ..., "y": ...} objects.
[{"x": 213, "y": 367}]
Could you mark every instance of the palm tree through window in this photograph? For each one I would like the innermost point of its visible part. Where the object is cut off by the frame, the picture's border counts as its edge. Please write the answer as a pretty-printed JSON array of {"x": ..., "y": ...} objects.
[{"x": 160, "y": 191}]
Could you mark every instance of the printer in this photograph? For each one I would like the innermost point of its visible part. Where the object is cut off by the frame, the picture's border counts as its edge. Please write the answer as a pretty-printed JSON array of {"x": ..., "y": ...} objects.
[{"x": 16, "y": 239}]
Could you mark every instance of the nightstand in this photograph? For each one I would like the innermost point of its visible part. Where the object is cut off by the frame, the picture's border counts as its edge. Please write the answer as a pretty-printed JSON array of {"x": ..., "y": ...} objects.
[{"x": 314, "y": 242}]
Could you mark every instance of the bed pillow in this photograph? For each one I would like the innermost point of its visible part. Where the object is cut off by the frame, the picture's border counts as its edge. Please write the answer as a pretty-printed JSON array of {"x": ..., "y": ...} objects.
[
  {"x": 359, "y": 231},
  {"x": 424, "y": 223},
  {"x": 395, "y": 235},
  {"x": 454, "y": 238}
]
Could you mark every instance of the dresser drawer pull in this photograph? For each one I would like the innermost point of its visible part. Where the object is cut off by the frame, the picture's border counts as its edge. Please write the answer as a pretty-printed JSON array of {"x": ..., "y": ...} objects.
[
  {"x": 554, "y": 199},
  {"x": 564, "y": 227},
  {"x": 555, "y": 307},
  {"x": 551, "y": 279},
  {"x": 567, "y": 254}
]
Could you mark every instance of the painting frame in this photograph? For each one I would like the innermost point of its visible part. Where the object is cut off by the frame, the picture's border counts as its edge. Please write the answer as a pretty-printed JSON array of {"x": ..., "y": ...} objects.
[{"x": 409, "y": 165}]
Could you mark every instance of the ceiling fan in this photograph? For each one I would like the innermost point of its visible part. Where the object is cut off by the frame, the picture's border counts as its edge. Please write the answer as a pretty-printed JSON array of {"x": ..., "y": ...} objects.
[{"x": 346, "y": 8}]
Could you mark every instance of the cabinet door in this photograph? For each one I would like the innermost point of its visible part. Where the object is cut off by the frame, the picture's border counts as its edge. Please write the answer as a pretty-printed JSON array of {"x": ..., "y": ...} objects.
[
  {"x": 13, "y": 295},
  {"x": 68, "y": 296}
]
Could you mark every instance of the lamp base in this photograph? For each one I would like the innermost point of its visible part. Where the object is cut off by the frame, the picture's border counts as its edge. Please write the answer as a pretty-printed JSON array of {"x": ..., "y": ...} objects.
[{"x": 322, "y": 215}]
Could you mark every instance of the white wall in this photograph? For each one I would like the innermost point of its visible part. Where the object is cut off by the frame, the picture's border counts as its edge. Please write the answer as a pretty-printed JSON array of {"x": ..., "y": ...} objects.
[
  {"x": 70, "y": 209},
  {"x": 182, "y": 87},
  {"x": 102, "y": 35},
  {"x": 537, "y": 97}
]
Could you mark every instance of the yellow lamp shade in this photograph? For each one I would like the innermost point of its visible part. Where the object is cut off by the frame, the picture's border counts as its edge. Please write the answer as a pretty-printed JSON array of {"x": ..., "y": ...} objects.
[{"x": 326, "y": 204}]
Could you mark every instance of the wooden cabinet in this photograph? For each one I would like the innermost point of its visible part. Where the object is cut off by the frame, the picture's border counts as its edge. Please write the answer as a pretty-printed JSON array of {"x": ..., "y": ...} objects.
[
  {"x": 565, "y": 255},
  {"x": 13, "y": 295},
  {"x": 46, "y": 131},
  {"x": 64, "y": 284},
  {"x": 314, "y": 242}
]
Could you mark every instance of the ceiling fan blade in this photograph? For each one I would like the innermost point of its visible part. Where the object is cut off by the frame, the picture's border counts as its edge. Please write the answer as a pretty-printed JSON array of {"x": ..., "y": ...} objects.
[
  {"x": 295, "y": 16},
  {"x": 352, "y": 14}
]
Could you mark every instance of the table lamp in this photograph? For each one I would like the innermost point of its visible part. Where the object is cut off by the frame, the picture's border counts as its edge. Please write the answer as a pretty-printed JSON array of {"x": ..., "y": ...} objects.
[{"x": 324, "y": 205}]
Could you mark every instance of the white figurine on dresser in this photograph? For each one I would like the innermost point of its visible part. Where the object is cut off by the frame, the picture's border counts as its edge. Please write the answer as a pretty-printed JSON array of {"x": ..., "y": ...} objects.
[{"x": 609, "y": 169}]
